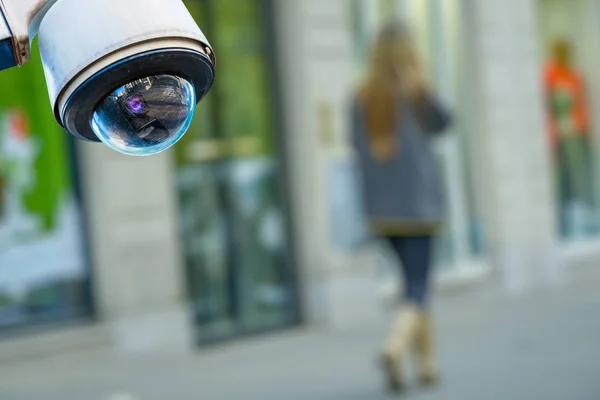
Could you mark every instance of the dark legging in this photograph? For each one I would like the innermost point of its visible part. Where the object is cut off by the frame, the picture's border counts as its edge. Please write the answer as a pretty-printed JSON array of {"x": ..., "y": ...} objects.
[{"x": 415, "y": 254}]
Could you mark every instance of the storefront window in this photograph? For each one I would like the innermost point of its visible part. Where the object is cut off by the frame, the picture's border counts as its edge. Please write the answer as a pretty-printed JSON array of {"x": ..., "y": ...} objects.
[
  {"x": 43, "y": 274},
  {"x": 568, "y": 78}
]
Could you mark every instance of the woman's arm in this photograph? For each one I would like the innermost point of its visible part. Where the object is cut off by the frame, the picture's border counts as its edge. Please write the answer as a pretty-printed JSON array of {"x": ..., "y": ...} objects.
[{"x": 432, "y": 116}]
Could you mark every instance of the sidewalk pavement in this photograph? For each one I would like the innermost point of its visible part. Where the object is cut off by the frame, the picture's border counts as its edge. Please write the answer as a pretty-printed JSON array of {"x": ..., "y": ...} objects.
[{"x": 542, "y": 345}]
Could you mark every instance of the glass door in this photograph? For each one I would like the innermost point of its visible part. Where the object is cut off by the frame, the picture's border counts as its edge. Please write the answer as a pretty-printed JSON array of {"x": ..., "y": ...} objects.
[
  {"x": 437, "y": 25},
  {"x": 233, "y": 220}
]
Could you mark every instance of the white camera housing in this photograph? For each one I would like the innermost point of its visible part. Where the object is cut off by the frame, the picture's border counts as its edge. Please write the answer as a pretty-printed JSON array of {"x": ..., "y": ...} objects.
[{"x": 91, "y": 48}]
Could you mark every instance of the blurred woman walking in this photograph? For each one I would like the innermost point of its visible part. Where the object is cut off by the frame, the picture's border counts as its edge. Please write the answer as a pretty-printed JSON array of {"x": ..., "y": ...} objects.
[{"x": 394, "y": 117}]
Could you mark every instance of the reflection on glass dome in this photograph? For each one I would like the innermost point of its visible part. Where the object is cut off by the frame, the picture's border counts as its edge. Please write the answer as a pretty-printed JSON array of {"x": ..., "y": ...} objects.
[{"x": 146, "y": 116}]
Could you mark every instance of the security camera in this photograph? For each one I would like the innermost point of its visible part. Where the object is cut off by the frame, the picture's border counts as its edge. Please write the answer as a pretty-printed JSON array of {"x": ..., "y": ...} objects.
[{"x": 128, "y": 73}]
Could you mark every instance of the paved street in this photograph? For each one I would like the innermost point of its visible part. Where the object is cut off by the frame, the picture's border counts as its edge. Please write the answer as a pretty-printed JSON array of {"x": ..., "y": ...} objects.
[{"x": 544, "y": 345}]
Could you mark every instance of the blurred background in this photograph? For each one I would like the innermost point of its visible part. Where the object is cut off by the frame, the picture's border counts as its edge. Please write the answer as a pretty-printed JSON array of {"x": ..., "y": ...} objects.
[{"x": 228, "y": 268}]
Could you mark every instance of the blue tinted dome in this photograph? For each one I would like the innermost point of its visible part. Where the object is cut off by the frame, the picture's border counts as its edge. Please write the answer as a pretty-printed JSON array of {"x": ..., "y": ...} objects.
[{"x": 146, "y": 116}]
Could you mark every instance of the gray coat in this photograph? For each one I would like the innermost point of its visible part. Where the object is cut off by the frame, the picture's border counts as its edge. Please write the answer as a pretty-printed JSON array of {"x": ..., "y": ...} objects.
[{"x": 403, "y": 195}]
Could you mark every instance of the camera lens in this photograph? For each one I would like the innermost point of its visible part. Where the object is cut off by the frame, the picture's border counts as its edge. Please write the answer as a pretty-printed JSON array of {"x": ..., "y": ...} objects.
[
  {"x": 135, "y": 104},
  {"x": 146, "y": 116}
]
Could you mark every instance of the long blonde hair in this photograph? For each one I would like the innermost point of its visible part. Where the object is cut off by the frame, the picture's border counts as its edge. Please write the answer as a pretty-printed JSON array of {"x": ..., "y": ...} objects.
[{"x": 392, "y": 57}]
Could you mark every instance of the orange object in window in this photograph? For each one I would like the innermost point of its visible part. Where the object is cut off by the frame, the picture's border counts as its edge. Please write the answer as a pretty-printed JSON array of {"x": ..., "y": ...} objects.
[{"x": 565, "y": 96}]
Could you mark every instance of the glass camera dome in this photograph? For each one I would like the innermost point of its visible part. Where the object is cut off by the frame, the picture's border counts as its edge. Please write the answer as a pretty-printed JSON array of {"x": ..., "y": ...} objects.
[{"x": 145, "y": 116}]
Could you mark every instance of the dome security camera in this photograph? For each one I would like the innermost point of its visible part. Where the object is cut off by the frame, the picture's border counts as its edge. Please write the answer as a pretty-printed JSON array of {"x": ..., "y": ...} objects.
[{"x": 128, "y": 73}]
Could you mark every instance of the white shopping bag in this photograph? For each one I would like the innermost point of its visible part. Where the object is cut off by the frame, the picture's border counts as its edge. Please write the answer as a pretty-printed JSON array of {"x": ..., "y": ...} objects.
[{"x": 348, "y": 227}]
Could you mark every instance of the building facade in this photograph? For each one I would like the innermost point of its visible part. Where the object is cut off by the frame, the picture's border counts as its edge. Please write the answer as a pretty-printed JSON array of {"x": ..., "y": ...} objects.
[{"x": 238, "y": 230}]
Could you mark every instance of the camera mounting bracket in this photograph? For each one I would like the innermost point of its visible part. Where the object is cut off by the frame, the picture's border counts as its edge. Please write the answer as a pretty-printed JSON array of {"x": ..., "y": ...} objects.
[{"x": 18, "y": 26}]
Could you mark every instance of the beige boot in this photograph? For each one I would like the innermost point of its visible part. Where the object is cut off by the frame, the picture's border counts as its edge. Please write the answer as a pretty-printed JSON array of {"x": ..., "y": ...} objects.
[
  {"x": 426, "y": 350},
  {"x": 401, "y": 339}
]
